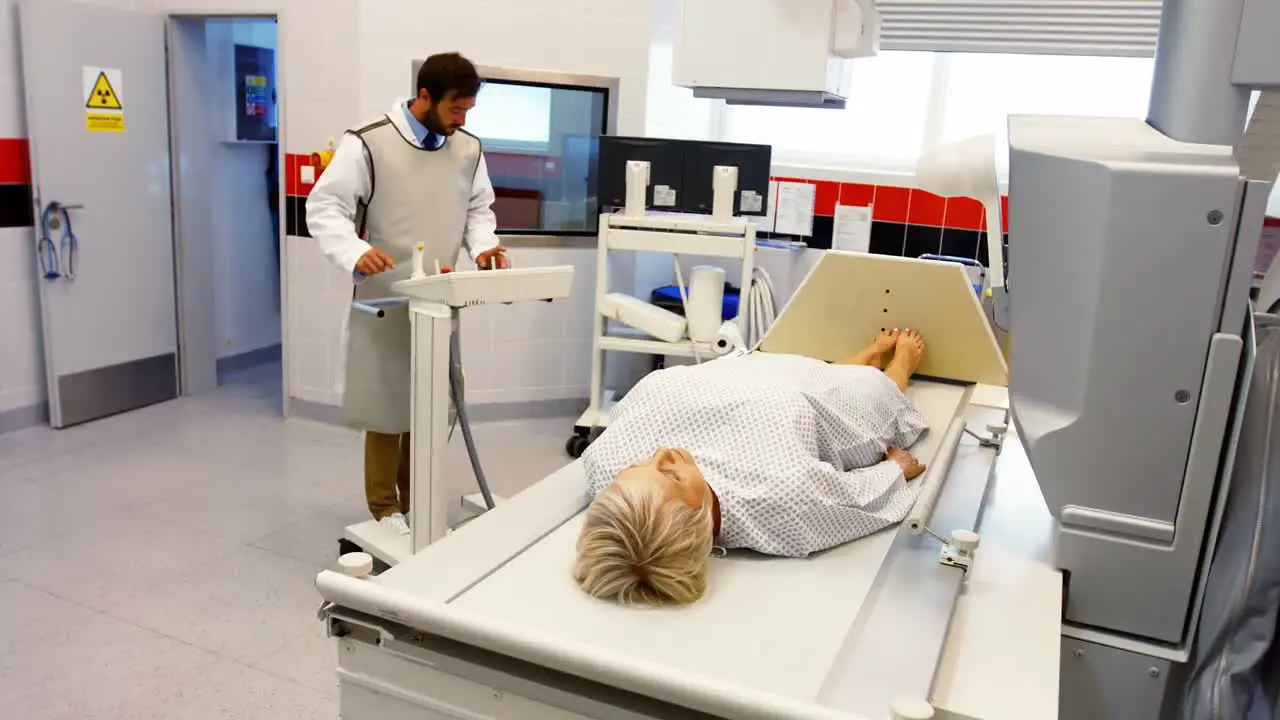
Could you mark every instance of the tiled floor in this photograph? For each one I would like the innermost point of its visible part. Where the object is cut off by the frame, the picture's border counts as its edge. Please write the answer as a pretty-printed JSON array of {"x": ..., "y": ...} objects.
[{"x": 160, "y": 564}]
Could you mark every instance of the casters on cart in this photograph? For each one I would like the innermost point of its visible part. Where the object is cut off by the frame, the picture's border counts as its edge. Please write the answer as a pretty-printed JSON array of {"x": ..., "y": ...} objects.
[
  {"x": 576, "y": 445},
  {"x": 580, "y": 439}
]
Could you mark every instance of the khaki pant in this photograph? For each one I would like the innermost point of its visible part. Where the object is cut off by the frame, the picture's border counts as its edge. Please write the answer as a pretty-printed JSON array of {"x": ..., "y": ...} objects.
[{"x": 386, "y": 473}]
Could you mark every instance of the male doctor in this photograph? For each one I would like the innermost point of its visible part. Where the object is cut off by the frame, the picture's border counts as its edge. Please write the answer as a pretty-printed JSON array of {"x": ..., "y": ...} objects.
[{"x": 408, "y": 177}]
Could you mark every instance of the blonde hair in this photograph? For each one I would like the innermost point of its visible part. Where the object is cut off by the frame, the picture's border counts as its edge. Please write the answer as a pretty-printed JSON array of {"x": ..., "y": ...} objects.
[{"x": 639, "y": 547}]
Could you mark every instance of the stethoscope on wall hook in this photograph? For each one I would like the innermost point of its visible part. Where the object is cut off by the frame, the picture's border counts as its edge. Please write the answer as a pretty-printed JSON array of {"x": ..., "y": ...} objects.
[{"x": 57, "y": 260}]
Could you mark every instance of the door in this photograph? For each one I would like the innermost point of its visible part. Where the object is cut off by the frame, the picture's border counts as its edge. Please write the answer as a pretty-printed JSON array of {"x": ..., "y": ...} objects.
[{"x": 97, "y": 116}]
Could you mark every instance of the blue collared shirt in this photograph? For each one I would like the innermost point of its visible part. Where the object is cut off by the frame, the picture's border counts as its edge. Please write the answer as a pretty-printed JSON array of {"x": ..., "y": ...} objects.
[{"x": 425, "y": 137}]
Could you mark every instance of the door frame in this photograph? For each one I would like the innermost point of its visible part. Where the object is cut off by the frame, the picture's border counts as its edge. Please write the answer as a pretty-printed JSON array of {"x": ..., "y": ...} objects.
[{"x": 198, "y": 374}]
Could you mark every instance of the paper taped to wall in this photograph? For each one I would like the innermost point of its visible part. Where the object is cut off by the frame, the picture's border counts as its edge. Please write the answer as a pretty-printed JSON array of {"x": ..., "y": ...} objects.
[
  {"x": 852, "y": 229},
  {"x": 795, "y": 209}
]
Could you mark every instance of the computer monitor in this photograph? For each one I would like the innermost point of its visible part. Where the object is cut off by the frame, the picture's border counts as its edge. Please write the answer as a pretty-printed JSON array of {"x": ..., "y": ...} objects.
[
  {"x": 753, "y": 163},
  {"x": 666, "y": 170}
]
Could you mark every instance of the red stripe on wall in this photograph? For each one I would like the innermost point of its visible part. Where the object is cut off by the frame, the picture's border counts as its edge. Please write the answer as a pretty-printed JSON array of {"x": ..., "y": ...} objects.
[
  {"x": 891, "y": 203},
  {"x": 15, "y": 161},
  {"x": 964, "y": 214},
  {"x": 826, "y": 197},
  {"x": 857, "y": 194},
  {"x": 926, "y": 209},
  {"x": 293, "y": 183}
]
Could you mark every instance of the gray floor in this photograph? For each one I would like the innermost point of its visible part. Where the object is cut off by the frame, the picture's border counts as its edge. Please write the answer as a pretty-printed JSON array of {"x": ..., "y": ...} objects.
[{"x": 160, "y": 564}]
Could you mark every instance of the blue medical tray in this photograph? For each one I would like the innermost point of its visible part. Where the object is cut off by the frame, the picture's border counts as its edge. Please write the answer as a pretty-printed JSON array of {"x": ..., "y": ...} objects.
[{"x": 668, "y": 298}]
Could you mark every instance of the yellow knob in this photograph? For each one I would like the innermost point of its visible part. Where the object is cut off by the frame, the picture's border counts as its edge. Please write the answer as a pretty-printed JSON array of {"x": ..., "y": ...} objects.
[{"x": 989, "y": 292}]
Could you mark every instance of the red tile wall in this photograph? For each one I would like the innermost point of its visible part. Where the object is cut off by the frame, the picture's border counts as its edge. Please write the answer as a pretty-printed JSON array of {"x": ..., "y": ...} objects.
[{"x": 891, "y": 203}]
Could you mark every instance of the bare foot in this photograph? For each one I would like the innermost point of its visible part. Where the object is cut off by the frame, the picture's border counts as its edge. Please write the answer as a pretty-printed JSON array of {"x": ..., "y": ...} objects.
[
  {"x": 884, "y": 342},
  {"x": 906, "y": 358},
  {"x": 909, "y": 350},
  {"x": 877, "y": 352},
  {"x": 911, "y": 467}
]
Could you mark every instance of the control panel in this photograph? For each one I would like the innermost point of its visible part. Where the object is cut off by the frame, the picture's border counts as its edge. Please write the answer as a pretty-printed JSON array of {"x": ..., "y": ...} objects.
[{"x": 478, "y": 287}]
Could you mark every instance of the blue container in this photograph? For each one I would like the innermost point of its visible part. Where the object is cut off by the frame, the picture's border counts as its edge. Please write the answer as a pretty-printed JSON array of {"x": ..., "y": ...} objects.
[{"x": 668, "y": 298}]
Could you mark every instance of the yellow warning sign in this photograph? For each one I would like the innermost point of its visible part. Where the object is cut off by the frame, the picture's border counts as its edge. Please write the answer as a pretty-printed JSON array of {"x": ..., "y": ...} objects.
[
  {"x": 104, "y": 104},
  {"x": 103, "y": 95}
]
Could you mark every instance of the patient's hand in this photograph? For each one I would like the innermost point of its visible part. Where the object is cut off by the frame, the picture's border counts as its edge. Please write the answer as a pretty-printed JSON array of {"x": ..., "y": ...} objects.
[{"x": 911, "y": 467}]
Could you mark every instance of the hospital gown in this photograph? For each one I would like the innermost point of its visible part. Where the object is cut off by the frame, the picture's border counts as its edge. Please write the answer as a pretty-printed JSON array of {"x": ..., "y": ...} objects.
[{"x": 793, "y": 447}]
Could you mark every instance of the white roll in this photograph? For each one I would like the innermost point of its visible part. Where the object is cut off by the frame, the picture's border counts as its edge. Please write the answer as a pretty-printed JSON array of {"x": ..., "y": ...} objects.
[
  {"x": 729, "y": 339},
  {"x": 634, "y": 312},
  {"x": 706, "y": 302}
]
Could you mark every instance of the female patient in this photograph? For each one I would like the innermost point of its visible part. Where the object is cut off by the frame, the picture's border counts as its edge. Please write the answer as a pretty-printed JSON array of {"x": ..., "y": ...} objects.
[{"x": 781, "y": 454}]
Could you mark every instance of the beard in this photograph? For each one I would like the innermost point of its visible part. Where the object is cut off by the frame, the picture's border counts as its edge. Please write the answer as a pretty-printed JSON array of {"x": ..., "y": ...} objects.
[{"x": 436, "y": 125}]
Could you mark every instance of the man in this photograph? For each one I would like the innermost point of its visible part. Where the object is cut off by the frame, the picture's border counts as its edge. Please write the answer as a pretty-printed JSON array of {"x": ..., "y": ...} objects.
[{"x": 412, "y": 176}]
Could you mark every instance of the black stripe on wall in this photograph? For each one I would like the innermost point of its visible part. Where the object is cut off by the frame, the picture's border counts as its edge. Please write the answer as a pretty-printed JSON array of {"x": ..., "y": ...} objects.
[
  {"x": 904, "y": 240},
  {"x": 295, "y": 222},
  {"x": 888, "y": 238},
  {"x": 15, "y": 206}
]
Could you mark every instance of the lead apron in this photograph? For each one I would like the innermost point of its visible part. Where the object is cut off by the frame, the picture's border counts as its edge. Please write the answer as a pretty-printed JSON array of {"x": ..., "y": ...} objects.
[{"x": 418, "y": 195}]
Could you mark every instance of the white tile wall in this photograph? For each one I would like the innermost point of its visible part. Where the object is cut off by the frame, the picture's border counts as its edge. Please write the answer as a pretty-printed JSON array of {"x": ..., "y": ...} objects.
[
  {"x": 533, "y": 351},
  {"x": 320, "y": 88},
  {"x": 21, "y": 364},
  {"x": 21, "y": 358},
  {"x": 512, "y": 354},
  {"x": 598, "y": 37},
  {"x": 342, "y": 61}
]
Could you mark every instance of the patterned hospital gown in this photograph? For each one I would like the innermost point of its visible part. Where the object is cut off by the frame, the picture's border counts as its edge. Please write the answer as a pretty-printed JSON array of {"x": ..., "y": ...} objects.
[{"x": 793, "y": 447}]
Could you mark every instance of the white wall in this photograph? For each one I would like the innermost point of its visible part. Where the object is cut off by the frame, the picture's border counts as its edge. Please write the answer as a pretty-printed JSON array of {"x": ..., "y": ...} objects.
[
  {"x": 513, "y": 354},
  {"x": 21, "y": 359},
  {"x": 320, "y": 78},
  {"x": 246, "y": 287}
]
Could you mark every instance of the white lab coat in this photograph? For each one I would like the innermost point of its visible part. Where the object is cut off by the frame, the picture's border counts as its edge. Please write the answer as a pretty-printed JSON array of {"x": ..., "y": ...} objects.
[{"x": 333, "y": 201}]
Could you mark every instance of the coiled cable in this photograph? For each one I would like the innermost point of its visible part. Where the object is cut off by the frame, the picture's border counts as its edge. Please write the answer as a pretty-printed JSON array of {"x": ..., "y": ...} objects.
[{"x": 762, "y": 309}]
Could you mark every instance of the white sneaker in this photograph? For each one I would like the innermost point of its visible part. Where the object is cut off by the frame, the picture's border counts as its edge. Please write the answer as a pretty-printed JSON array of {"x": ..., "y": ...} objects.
[{"x": 397, "y": 523}]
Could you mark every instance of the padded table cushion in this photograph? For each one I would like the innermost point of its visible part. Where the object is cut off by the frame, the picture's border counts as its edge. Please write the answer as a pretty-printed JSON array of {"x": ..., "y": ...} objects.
[{"x": 772, "y": 624}]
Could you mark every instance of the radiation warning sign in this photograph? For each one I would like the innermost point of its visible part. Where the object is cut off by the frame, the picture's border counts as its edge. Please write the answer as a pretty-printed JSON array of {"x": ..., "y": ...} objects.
[{"x": 104, "y": 104}]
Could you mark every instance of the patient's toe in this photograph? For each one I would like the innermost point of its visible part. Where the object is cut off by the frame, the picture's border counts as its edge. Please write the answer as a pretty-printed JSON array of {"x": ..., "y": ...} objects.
[
  {"x": 910, "y": 347},
  {"x": 886, "y": 340}
]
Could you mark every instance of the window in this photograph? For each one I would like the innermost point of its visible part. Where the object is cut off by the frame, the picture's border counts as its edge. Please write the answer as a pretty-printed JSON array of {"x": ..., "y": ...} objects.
[
  {"x": 983, "y": 90},
  {"x": 539, "y": 133},
  {"x": 902, "y": 102},
  {"x": 673, "y": 111},
  {"x": 512, "y": 117},
  {"x": 883, "y": 125}
]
